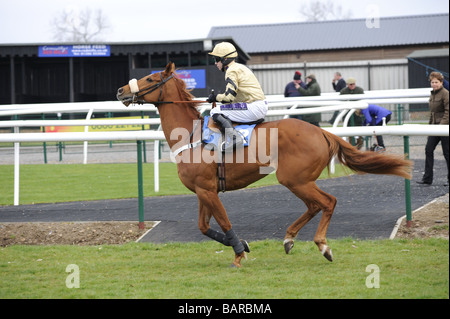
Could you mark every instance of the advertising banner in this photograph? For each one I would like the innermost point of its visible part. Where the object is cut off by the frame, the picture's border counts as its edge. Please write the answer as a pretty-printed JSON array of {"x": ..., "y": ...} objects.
[
  {"x": 99, "y": 128},
  {"x": 194, "y": 78},
  {"x": 81, "y": 50}
]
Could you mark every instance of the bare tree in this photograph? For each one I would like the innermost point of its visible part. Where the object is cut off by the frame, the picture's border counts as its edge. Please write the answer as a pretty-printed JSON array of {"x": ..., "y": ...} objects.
[
  {"x": 317, "y": 10},
  {"x": 72, "y": 25}
]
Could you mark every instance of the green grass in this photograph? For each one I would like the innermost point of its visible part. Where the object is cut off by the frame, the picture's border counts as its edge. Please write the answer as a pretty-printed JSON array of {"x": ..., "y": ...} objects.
[
  {"x": 408, "y": 269},
  {"x": 77, "y": 182}
]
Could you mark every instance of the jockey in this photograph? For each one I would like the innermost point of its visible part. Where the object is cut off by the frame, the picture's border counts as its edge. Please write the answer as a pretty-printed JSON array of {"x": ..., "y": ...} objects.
[{"x": 243, "y": 100}]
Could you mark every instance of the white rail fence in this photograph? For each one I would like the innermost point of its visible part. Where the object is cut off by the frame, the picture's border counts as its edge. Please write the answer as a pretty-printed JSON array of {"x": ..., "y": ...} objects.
[{"x": 301, "y": 105}]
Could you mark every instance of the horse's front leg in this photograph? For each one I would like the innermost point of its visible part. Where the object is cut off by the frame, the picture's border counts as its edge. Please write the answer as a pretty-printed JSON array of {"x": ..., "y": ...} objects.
[{"x": 212, "y": 206}]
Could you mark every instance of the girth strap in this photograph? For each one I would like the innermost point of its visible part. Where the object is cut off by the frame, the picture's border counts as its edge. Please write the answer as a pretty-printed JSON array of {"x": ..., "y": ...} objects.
[{"x": 221, "y": 174}]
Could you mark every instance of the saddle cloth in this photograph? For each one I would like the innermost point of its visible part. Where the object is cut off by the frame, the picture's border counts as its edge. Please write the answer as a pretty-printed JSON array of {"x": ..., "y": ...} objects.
[{"x": 212, "y": 135}]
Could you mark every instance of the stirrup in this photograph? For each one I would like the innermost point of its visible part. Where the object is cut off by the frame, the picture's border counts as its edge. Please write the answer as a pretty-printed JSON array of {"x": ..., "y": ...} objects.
[{"x": 236, "y": 141}]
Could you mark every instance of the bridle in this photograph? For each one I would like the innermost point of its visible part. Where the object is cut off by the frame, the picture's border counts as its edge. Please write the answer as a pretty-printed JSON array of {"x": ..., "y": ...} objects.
[
  {"x": 140, "y": 93},
  {"x": 137, "y": 93}
]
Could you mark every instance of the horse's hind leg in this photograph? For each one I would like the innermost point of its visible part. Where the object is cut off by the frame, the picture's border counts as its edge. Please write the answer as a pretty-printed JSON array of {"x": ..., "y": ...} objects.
[{"x": 316, "y": 200}]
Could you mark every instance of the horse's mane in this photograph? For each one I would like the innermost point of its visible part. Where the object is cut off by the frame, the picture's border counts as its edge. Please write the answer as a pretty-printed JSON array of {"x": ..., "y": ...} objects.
[{"x": 185, "y": 94}]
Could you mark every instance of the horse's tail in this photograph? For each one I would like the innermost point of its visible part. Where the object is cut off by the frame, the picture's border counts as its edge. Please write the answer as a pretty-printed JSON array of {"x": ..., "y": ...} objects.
[{"x": 367, "y": 162}]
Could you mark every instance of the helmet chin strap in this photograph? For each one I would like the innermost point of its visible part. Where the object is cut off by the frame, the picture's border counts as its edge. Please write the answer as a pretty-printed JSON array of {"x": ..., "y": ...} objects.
[{"x": 226, "y": 61}]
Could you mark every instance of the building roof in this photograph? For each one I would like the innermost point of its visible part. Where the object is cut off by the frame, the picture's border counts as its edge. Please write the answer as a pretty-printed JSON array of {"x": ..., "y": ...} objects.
[
  {"x": 338, "y": 34},
  {"x": 124, "y": 48},
  {"x": 429, "y": 53}
]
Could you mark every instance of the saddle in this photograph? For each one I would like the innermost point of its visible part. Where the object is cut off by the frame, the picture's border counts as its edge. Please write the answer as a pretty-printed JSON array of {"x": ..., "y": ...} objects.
[{"x": 212, "y": 137}]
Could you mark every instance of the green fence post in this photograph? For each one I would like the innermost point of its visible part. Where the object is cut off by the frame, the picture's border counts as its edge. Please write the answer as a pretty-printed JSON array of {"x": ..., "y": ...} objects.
[
  {"x": 145, "y": 148},
  {"x": 140, "y": 185},
  {"x": 407, "y": 185}
]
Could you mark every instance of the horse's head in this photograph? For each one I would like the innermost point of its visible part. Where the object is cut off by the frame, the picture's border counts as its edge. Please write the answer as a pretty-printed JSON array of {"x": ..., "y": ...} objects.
[{"x": 147, "y": 89}]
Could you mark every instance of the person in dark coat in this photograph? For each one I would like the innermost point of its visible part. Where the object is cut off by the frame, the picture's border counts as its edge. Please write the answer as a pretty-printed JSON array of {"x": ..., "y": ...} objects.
[
  {"x": 313, "y": 89},
  {"x": 439, "y": 101},
  {"x": 352, "y": 88},
  {"x": 338, "y": 82},
  {"x": 291, "y": 91}
]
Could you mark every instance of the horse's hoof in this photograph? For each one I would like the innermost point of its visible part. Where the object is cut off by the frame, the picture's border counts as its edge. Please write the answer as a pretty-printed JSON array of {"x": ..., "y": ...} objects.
[
  {"x": 246, "y": 246},
  {"x": 288, "y": 244},
  {"x": 237, "y": 259},
  {"x": 326, "y": 252}
]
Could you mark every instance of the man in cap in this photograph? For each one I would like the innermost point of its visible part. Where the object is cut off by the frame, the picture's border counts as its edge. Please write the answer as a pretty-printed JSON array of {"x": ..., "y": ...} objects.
[
  {"x": 291, "y": 91},
  {"x": 243, "y": 100},
  {"x": 352, "y": 88},
  {"x": 356, "y": 120}
]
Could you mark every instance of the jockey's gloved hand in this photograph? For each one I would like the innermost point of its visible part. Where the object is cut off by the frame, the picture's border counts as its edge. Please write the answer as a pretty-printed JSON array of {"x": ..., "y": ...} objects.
[{"x": 212, "y": 98}]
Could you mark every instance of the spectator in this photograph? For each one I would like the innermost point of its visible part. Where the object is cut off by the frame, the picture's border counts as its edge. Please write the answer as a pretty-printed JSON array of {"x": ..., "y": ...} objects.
[
  {"x": 338, "y": 82},
  {"x": 312, "y": 89},
  {"x": 438, "y": 104},
  {"x": 291, "y": 91},
  {"x": 354, "y": 121},
  {"x": 352, "y": 88},
  {"x": 373, "y": 116}
]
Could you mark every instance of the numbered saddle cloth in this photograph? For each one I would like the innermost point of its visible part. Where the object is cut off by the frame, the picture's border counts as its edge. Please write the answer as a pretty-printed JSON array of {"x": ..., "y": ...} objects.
[{"x": 214, "y": 137}]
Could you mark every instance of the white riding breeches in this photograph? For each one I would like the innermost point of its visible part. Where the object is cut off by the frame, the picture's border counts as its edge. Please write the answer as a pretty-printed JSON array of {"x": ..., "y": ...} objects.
[{"x": 242, "y": 112}]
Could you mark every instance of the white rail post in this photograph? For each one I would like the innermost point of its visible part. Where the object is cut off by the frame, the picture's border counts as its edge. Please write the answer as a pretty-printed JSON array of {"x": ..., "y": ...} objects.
[
  {"x": 156, "y": 165},
  {"x": 86, "y": 130},
  {"x": 16, "y": 169}
]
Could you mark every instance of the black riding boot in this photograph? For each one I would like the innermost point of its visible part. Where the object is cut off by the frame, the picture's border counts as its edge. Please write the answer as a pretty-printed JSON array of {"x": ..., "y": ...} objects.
[{"x": 232, "y": 137}]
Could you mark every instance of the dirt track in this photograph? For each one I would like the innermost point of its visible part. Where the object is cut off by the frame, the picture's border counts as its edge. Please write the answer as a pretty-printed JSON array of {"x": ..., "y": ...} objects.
[{"x": 432, "y": 220}]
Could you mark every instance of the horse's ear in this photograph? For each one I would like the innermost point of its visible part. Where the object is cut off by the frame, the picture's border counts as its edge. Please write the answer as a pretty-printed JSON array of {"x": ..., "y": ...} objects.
[{"x": 170, "y": 68}]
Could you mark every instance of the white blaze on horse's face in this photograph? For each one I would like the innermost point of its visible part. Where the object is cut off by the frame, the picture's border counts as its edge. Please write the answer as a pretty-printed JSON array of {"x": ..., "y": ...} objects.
[{"x": 134, "y": 88}]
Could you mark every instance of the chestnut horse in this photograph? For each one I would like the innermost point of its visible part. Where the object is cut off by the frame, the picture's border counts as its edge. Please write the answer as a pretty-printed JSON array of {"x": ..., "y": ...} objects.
[{"x": 303, "y": 152}]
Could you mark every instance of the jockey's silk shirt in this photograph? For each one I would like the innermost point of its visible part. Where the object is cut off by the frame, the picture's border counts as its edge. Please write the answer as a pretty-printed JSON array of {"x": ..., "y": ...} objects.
[{"x": 241, "y": 85}]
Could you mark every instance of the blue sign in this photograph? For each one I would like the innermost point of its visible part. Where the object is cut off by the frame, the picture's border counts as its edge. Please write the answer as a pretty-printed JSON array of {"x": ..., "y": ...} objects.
[
  {"x": 80, "y": 50},
  {"x": 194, "y": 79}
]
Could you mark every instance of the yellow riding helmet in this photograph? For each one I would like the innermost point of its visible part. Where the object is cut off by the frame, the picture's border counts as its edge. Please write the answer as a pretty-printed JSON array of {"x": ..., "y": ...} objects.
[{"x": 224, "y": 50}]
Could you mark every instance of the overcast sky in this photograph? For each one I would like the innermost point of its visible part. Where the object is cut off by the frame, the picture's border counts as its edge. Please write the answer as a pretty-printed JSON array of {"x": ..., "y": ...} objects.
[{"x": 28, "y": 21}]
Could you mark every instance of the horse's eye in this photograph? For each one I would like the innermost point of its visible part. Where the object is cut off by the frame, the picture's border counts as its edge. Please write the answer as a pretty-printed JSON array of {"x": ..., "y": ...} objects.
[{"x": 149, "y": 79}]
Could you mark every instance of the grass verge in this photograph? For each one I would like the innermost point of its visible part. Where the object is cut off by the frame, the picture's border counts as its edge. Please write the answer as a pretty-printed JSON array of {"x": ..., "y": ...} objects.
[{"x": 407, "y": 269}]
